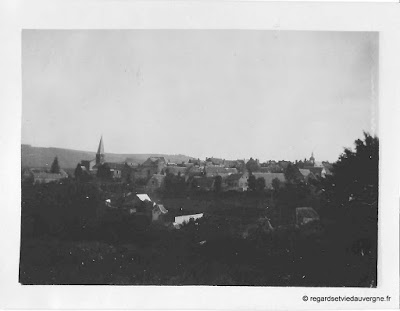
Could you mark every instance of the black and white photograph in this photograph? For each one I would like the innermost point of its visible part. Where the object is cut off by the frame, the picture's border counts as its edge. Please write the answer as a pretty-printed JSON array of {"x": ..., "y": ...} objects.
[{"x": 199, "y": 157}]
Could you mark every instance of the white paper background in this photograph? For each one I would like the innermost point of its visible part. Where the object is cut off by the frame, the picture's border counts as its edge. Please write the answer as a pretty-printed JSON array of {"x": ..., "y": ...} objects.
[{"x": 17, "y": 15}]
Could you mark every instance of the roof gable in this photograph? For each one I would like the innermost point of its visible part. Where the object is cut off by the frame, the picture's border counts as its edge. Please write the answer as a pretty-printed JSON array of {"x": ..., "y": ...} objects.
[{"x": 143, "y": 197}]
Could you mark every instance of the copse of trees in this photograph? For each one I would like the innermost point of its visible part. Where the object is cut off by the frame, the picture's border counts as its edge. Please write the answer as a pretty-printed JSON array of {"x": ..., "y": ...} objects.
[
  {"x": 355, "y": 174},
  {"x": 292, "y": 174},
  {"x": 350, "y": 200},
  {"x": 252, "y": 165},
  {"x": 58, "y": 208},
  {"x": 174, "y": 184}
]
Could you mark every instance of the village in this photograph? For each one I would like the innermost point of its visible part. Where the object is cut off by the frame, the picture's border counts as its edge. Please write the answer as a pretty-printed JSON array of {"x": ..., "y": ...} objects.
[
  {"x": 148, "y": 183},
  {"x": 242, "y": 222}
]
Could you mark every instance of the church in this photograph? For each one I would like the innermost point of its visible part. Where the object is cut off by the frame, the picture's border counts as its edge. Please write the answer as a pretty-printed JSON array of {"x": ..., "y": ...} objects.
[
  {"x": 99, "y": 167},
  {"x": 317, "y": 168}
]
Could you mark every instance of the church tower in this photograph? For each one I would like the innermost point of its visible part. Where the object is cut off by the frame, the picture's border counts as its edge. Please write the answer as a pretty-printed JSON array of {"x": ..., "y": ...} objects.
[
  {"x": 100, "y": 153},
  {"x": 312, "y": 159}
]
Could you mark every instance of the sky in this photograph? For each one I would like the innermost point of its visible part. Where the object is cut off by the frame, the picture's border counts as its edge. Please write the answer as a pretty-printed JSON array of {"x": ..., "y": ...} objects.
[{"x": 230, "y": 94}]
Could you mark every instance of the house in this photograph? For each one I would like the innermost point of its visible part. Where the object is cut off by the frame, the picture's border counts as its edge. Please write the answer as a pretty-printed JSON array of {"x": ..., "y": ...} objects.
[
  {"x": 214, "y": 170},
  {"x": 195, "y": 171},
  {"x": 157, "y": 181},
  {"x": 157, "y": 212},
  {"x": 269, "y": 177},
  {"x": 88, "y": 164},
  {"x": 305, "y": 215},
  {"x": 137, "y": 203},
  {"x": 307, "y": 174},
  {"x": 195, "y": 162},
  {"x": 176, "y": 170},
  {"x": 318, "y": 168},
  {"x": 284, "y": 164},
  {"x": 271, "y": 167},
  {"x": 239, "y": 164},
  {"x": 327, "y": 170},
  {"x": 45, "y": 177},
  {"x": 181, "y": 220},
  {"x": 153, "y": 165},
  {"x": 236, "y": 182},
  {"x": 192, "y": 172},
  {"x": 131, "y": 162},
  {"x": 320, "y": 171},
  {"x": 215, "y": 161},
  {"x": 317, "y": 171},
  {"x": 39, "y": 176},
  {"x": 116, "y": 169}
]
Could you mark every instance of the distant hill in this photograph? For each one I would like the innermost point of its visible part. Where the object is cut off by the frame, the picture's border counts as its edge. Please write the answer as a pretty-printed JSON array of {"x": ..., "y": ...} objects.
[{"x": 68, "y": 158}]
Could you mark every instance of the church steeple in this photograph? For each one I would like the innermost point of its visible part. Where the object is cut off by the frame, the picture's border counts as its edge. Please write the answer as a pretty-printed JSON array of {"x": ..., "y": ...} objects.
[
  {"x": 312, "y": 159},
  {"x": 100, "y": 152}
]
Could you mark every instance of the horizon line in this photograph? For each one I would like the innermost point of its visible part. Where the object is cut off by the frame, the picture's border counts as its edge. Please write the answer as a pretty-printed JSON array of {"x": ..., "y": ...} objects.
[{"x": 177, "y": 154}]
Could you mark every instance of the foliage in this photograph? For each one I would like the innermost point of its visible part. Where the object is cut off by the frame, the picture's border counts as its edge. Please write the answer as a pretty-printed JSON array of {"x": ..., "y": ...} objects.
[
  {"x": 58, "y": 208},
  {"x": 350, "y": 198},
  {"x": 69, "y": 238},
  {"x": 103, "y": 171},
  {"x": 141, "y": 182},
  {"x": 260, "y": 184},
  {"x": 55, "y": 167},
  {"x": 218, "y": 184},
  {"x": 128, "y": 177},
  {"x": 276, "y": 184},
  {"x": 174, "y": 184},
  {"x": 292, "y": 174},
  {"x": 251, "y": 182},
  {"x": 252, "y": 165},
  {"x": 355, "y": 174},
  {"x": 78, "y": 172}
]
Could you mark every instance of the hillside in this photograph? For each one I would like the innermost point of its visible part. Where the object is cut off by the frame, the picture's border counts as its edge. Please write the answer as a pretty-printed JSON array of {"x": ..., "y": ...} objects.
[{"x": 68, "y": 158}]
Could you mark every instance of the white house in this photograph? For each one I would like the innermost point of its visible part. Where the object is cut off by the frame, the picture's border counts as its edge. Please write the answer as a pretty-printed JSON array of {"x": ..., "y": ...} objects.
[{"x": 180, "y": 220}]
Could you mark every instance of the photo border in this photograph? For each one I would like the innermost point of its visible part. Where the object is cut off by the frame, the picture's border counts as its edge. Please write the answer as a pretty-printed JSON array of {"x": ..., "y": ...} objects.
[{"x": 109, "y": 14}]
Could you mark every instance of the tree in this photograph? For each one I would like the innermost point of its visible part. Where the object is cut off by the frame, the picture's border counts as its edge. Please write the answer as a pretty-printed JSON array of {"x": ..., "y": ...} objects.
[
  {"x": 260, "y": 184},
  {"x": 78, "y": 172},
  {"x": 218, "y": 183},
  {"x": 174, "y": 184},
  {"x": 55, "y": 167},
  {"x": 292, "y": 174},
  {"x": 276, "y": 184},
  {"x": 351, "y": 195},
  {"x": 103, "y": 171},
  {"x": 355, "y": 175},
  {"x": 252, "y": 165},
  {"x": 128, "y": 177},
  {"x": 169, "y": 181},
  {"x": 252, "y": 182}
]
